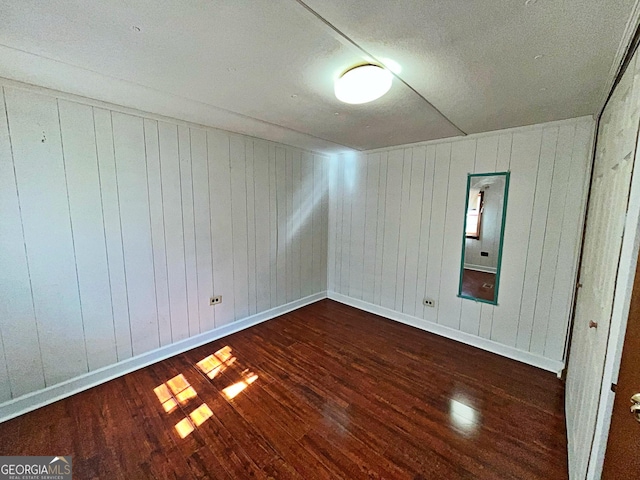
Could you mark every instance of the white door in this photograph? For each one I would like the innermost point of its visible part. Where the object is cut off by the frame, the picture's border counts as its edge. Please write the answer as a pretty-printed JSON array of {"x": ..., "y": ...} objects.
[{"x": 608, "y": 201}]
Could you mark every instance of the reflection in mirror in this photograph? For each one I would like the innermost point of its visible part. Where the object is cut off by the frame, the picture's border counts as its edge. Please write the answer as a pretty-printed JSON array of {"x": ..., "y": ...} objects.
[{"x": 485, "y": 213}]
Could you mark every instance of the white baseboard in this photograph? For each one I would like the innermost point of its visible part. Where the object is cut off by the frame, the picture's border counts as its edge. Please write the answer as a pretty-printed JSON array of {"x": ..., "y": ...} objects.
[
  {"x": 480, "y": 268},
  {"x": 40, "y": 398},
  {"x": 473, "y": 340}
]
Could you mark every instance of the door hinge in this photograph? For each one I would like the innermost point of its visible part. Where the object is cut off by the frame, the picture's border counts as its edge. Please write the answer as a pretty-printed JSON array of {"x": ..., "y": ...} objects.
[{"x": 613, "y": 387}]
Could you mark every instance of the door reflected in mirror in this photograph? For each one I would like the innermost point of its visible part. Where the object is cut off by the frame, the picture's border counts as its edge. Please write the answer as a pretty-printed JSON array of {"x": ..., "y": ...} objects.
[{"x": 485, "y": 213}]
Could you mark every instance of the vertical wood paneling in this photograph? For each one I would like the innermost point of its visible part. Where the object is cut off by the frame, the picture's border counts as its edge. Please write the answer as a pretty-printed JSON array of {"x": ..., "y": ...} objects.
[
  {"x": 20, "y": 343},
  {"x": 12, "y": 253},
  {"x": 414, "y": 220},
  {"x": 261, "y": 171},
  {"x": 273, "y": 227},
  {"x": 188, "y": 225},
  {"x": 203, "y": 227},
  {"x": 173, "y": 230},
  {"x": 524, "y": 160},
  {"x": 429, "y": 156},
  {"x": 117, "y": 228},
  {"x": 251, "y": 226},
  {"x": 356, "y": 247},
  {"x": 570, "y": 239},
  {"x": 552, "y": 234},
  {"x": 398, "y": 229},
  {"x": 281, "y": 227},
  {"x": 156, "y": 212},
  {"x": 348, "y": 185},
  {"x": 83, "y": 185},
  {"x": 462, "y": 161},
  {"x": 295, "y": 233},
  {"x": 370, "y": 227},
  {"x": 239, "y": 225},
  {"x": 131, "y": 174},
  {"x": 405, "y": 224},
  {"x": 393, "y": 206},
  {"x": 536, "y": 240},
  {"x": 113, "y": 232},
  {"x": 308, "y": 205},
  {"x": 324, "y": 202},
  {"x": 438, "y": 211},
  {"x": 222, "y": 240},
  {"x": 486, "y": 155},
  {"x": 288, "y": 224},
  {"x": 332, "y": 222},
  {"x": 337, "y": 196},
  {"x": 36, "y": 143},
  {"x": 317, "y": 233}
]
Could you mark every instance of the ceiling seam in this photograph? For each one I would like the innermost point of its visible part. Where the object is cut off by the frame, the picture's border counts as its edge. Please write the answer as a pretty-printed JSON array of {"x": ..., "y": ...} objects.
[{"x": 352, "y": 42}]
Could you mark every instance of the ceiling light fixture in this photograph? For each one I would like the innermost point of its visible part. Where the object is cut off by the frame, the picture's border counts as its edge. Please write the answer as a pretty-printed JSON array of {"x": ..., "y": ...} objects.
[{"x": 363, "y": 84}]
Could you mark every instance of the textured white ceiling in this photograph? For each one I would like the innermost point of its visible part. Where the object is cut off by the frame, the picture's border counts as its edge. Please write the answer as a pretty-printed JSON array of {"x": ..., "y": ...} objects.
[
  {"x": 476, "y": 60},
  {"x": 266, "y": 68}
]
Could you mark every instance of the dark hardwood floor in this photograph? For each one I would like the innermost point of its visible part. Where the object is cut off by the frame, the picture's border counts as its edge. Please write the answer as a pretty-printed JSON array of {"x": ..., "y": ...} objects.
[{"x": 324, "y": 392}]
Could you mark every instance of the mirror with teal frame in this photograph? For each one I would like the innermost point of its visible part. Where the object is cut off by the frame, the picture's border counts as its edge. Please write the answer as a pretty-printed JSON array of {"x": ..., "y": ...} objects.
[{"x": 482, "y": 238}]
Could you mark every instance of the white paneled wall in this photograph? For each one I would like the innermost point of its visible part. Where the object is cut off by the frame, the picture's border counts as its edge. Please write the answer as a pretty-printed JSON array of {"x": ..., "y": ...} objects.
[
  {"x": 395, "y": 233},
  {"x": 116, "y": 228}
]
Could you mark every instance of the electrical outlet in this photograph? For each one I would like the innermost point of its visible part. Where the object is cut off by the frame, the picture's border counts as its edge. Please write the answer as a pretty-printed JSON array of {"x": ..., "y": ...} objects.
[
  {"x": 429, "y": 302},
  {"x": 215, "y": 300}
]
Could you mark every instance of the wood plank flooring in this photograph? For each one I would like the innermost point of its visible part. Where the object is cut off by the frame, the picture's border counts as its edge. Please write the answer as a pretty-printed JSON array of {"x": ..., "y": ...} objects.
[{"x": 324, "y": 392}]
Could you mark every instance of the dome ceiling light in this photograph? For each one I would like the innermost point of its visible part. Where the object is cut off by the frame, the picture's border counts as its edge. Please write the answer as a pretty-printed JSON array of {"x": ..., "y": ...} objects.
[{"x": 363, "y": 84}]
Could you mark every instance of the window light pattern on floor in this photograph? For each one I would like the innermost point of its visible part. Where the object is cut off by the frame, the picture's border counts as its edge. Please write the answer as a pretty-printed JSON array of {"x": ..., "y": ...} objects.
[
  {"x": 178, "y": 392},
  {"x": 233, "y": 390},
  {"x": 216, "y": 363}
]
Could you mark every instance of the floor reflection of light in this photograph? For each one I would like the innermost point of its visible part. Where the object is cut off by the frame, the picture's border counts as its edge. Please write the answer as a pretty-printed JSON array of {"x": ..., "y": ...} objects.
[
  {"x": 177, "y": 383},
  {"x": 216, "y": 363},
  {"x": 169, "y": 404},
  {"x": 179, "y": 390},
  {"x": 186, "y": 395},
  {"x": 174, "y": 391},
  {"x": 182, "y": 390},
  {"x": 233, "y": 390},
  {"x": 184, "y": 427},
  {"x": 163, "y": 393},
  {"x": 464, "y": 417},
  {"x": 200, "y": 414}
]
